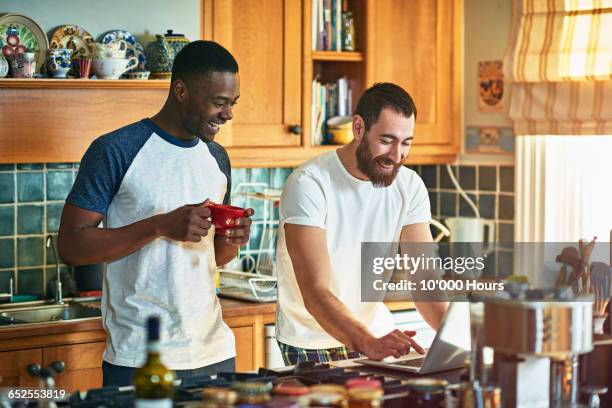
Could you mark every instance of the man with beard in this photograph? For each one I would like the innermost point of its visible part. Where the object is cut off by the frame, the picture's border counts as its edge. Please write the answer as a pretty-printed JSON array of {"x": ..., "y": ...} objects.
[
  {"x": 150, "y": 183},
  {"x": 358, "y": 193}
]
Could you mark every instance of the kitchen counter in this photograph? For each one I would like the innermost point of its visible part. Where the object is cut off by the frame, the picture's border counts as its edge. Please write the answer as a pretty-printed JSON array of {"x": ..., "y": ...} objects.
[{"x": 231, "y": 309}]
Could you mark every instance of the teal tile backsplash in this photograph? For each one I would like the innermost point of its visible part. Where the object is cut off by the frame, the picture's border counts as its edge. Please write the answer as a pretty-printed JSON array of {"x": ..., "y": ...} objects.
[
  {"x": 30, "y": 219},
  {"x": 7, "y": 253},
  {"x": 7, "y": 221},
  {"x": 59, "y": 184},
  {"x": 7, "y": 187},
  {"x": 31, "y": 202},
  {"x": 30, "y": 186}
]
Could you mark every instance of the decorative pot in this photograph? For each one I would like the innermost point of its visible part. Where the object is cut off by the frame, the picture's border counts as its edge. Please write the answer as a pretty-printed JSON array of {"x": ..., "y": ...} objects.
[
  {"x": 160, "y": 57},
  {"x": 176, "y": 41}
]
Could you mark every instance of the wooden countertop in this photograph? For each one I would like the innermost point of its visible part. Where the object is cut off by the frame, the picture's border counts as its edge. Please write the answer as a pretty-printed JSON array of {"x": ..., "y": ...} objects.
[{"x": 231, "y": 308}]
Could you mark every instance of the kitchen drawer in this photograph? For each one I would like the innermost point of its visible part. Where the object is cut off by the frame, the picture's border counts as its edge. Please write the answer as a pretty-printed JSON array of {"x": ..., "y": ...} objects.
[
  {"x": 83, "y": 365},
  {"x": 14, "y": 365}
]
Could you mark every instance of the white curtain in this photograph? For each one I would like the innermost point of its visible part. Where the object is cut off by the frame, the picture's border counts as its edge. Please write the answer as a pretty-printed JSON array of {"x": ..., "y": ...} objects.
[
  {"x": 564, "y": 188},
  {"x": 563, "y": 194}
]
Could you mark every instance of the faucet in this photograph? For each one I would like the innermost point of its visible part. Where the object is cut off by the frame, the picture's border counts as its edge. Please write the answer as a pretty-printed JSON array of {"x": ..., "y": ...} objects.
[{"x": 59, "y": 299}]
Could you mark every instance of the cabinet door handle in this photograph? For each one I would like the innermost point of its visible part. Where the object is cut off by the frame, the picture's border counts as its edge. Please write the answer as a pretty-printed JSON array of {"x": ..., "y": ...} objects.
[
  {"x": 34, "y": 369},
  {"x": 295, "y": 129},
  {"x": 58, "y": 366}
]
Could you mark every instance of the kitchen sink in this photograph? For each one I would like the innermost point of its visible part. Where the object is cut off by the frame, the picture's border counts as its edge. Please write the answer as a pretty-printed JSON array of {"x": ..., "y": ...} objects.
[{"x": 47, "y": 313}]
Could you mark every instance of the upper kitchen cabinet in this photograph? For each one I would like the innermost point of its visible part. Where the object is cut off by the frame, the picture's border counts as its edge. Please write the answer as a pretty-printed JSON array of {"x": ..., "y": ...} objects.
[
  {"x": 265, "y": 37},
  {"x": 417, "y": 44}
]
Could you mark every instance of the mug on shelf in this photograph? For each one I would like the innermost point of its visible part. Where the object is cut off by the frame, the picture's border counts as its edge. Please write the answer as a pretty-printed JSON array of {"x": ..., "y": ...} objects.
[{"x": 111, "y": 68}]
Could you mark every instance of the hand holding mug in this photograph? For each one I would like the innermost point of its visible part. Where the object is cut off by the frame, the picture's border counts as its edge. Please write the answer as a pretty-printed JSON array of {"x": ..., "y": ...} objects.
[{"x": 232, "y": 222}]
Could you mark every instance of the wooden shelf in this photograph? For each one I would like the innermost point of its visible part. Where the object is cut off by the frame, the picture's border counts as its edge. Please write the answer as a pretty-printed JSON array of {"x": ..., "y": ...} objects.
[
  {"x": 337, "y": 56},
  {"x": 84, "y": 83}
]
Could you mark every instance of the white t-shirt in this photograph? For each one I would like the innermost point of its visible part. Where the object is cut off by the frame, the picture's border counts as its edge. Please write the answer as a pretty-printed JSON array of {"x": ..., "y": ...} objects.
[
  {"x": 134, "y": 173},
  {"x": 322, "y": 193}
]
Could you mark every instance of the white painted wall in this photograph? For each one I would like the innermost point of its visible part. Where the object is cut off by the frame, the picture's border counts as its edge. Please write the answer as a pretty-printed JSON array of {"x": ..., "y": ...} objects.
[{"x": 143, "y": 18}]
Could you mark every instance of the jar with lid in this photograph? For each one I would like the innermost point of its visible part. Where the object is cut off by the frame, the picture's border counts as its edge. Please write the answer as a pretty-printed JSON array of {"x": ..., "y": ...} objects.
[
  {"x": 361, "y": 382},
  {"x": 291, "y": 389},
  {"x": 252, "y": 393},
  {"x": 427, "y": 392},
  {"x": 328, "y": 388},
  {"x": 365, "y": 397},
  {"x": 218, "y": 397},
  {"x": 327, "y": 399}
]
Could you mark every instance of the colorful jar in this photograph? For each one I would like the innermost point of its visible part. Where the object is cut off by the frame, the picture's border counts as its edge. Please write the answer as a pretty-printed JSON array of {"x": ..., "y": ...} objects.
[
  {"x": 365, "y": 397},
  {"x": 427, "y": 392},
  {"x": 160, "y": 57},
  {"x": 176, "y": 41},
  {"x": 218, "y": 397},
  {"x": 253, "y": 393}
]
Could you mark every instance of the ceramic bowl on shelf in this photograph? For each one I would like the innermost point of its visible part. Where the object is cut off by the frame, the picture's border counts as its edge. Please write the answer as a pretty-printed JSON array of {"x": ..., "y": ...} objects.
[
  {"x": 137, "y": 75},
  {"x": 112, "y": 68}
]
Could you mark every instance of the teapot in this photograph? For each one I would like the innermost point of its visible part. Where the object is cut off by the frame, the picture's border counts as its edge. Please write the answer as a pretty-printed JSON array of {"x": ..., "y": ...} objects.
[{"x": 160, "y": 57}]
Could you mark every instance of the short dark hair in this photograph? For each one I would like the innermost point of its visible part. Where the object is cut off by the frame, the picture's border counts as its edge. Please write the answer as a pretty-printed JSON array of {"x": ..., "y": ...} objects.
[
  {"x": 384, "y": 95},
  {"x": 202, "y": 58}
]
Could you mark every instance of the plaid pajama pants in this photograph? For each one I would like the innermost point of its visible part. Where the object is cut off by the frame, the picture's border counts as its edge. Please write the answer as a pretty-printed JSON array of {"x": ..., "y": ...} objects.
[{"x": 293, "y": 355}]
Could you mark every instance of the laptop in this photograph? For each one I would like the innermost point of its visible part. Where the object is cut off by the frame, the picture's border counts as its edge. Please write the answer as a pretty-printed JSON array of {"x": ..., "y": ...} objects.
[{"x": 448, "y": 350}]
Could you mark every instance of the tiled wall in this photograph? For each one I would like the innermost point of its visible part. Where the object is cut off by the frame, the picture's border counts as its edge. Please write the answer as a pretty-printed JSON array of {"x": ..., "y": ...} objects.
[
  {"x": 32, "y": 197},
  {"x": 491, "y": 187},
  {"x": 31, "y": 201}
]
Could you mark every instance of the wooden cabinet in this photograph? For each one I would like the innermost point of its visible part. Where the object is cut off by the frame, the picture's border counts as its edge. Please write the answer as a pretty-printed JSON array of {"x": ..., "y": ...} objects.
[
  {"x": 14, "y": 367},
  {"x": 83, "y": 365},
  {"x": 265, "y": 38},
  {"x": 416, "y": 44},
  {"x": 249, "y": 333}
]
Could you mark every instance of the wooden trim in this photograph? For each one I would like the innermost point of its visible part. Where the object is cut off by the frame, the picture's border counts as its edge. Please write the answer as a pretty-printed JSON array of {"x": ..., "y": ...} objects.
[
  {"x": 292, "y": 61},
  {"x": 307, "y": 75},
  {"x": 457, "y": 128},
  {"x": 205, "y": 13},
  {"x": 369, "y": 44},
  {"x": 84, "y": 83},
  {"x": 342, "y": 56}
]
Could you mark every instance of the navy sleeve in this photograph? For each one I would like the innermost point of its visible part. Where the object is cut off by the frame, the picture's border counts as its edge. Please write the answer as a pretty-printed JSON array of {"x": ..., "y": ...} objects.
[
  {"x": 104, "y": 165},
  {"x": 220, "y": 154}
]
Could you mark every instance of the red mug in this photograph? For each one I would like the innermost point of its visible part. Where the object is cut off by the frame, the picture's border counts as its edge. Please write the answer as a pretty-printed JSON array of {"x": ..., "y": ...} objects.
[{"x": 224, "y": 216}]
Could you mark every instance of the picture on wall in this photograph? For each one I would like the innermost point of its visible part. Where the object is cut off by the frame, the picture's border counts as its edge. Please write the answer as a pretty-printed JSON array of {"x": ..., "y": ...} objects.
[
  {"x": 490, "y": 86},
  {"x": 489, "y": 140}
]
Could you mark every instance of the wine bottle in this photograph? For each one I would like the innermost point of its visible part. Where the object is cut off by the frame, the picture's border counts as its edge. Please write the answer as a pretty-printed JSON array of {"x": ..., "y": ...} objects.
[{"x": 153, "y": 381}]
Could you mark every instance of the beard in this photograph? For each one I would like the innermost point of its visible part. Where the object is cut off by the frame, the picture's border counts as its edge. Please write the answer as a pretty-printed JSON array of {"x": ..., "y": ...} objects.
[{"x": 367, "y": 164}]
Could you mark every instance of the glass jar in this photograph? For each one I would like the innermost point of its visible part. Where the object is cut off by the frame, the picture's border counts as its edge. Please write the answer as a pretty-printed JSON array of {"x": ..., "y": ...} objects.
[
  {"x": 365, "y": 397},
  {"x": 257, "y": 393},
  {"x": 327, "y": 399},
  {"x": 427, "y": 392},
  {"x": 218, "y": 397},
  {"x": 326, "y": 388},
  {"x": 362, "y": 383}
]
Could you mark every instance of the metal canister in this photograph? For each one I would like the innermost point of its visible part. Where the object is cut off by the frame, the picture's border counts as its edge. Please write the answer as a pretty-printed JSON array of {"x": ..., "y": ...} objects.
[
  {"x": 365, "y": 397},
  {"x": 218, "y": 397},
  {"x": 252, "y": 392},
  {"x": 427, "y": 392}
]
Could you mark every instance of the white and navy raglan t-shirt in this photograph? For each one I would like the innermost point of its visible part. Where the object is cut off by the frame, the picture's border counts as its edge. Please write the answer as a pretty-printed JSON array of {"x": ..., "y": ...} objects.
[{"x": 134, "y": 173}]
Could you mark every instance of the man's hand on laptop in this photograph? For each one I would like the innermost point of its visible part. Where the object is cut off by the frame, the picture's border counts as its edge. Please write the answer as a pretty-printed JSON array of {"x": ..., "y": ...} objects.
[{"x": 396, "y": 343}]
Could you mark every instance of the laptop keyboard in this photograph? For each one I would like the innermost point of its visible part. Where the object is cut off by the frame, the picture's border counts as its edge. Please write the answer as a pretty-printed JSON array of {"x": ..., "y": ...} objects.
[{"x": 416, "y": 362}]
